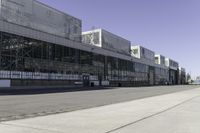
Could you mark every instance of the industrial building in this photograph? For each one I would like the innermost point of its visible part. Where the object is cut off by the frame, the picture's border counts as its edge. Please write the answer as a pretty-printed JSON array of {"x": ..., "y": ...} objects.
[
  {"x": 41, "y": 46},
  {"x": 182, "y": 75}
]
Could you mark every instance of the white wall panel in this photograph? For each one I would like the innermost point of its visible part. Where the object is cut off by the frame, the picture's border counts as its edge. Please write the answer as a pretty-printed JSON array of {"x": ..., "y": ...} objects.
[{"x": 5, "y": 83}]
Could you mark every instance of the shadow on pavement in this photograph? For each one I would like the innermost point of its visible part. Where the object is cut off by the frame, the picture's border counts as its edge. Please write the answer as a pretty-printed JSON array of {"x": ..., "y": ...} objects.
[
  {"x": 35, "y": 91},
  {"x": 47, "y": 90}
]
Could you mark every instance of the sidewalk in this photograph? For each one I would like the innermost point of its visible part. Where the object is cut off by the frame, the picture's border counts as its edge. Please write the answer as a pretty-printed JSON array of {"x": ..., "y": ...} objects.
[{"x": 171, "y": 113}]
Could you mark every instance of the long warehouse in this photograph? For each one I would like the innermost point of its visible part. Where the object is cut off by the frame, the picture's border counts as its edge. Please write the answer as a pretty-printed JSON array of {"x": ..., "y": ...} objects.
[{"x": 41, "y": 46}]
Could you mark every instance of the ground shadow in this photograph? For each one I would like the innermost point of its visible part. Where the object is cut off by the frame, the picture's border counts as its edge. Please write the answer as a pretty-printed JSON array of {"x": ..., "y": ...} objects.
[{"x": 35, "y": 91}]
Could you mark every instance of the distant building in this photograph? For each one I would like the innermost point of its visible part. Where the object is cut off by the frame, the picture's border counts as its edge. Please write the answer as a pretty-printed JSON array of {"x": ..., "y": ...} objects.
[
  {"x": 173, "y": 70},
  {"x": 182, "y": 75}
]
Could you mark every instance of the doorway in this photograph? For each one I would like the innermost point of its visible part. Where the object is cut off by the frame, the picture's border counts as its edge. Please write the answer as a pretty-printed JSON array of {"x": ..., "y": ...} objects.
[{"x": 86, "y": 80}]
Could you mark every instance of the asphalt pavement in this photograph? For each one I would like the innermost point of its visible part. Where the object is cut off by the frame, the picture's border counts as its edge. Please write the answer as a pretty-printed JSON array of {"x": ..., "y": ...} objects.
[
  {"x": 176, "y": 112},
  {"x": 28, "y": 104}
]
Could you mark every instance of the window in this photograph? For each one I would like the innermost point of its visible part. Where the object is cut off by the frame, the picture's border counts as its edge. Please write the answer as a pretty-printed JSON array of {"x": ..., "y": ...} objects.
[
  {"x": 135, "y": 51},
  {"x": 75, "y": 31},
  {"x": 156, "y": 60},
  {"x": 143, "y": 51}
]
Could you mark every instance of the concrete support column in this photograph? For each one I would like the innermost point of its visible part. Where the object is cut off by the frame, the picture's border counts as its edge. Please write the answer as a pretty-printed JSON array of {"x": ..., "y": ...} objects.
[
  {"x": 0, "y": 48},
  {"x": 105, "y": 67}
]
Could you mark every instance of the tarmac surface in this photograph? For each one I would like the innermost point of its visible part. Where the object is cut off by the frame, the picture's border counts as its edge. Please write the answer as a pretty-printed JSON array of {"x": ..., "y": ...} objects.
[
  {"x": 20, "y": 104},
  {"x": 176, "y": 112}
]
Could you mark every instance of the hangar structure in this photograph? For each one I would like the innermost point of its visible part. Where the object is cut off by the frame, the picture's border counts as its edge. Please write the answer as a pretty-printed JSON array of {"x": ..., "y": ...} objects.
[{"x": 41, "y": 46}]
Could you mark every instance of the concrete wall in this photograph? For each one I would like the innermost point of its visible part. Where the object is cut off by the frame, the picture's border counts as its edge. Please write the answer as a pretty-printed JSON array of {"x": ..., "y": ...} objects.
[
  {"x": 115, "y": 43},
  {"x": 171, "y": 64},
  {"x": 104, "y": 39},
  {"x": 38, "y": 16},
  {"x": 143, "y": 53}
]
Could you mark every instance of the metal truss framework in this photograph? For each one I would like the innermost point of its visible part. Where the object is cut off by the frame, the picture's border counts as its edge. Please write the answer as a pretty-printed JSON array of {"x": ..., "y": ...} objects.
[{"x": 23, "y": 54}]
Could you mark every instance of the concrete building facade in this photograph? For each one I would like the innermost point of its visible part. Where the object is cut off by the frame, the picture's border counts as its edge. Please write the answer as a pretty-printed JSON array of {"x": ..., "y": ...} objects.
[
  {"x": 106, "y": 40},
  {"x": 142, "y": 53},
  {"x": 40, "y": 45},
  {"x": 160, "y": 59},
  {"x": 173, "y": 70}
]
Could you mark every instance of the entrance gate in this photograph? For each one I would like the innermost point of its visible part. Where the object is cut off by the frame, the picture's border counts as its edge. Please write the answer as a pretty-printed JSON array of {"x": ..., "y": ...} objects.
[{"x": 86, "y": 80}]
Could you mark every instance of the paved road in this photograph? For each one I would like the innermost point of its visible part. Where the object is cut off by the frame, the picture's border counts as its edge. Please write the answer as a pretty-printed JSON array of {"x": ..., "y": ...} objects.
[
  {"x": 172, "y": 113},
  {"x": 21, "y": 106}
]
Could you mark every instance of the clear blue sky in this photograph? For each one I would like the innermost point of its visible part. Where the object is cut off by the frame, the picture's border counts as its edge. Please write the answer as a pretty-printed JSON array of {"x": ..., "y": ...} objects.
[{"x": 168, "y": 27}]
